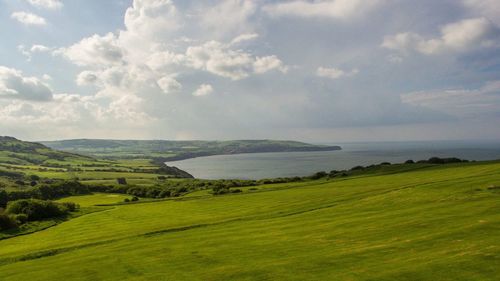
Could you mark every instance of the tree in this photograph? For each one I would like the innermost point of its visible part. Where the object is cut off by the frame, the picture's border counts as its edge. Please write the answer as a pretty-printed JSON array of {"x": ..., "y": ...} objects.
[{"x": 4, "y": 198}]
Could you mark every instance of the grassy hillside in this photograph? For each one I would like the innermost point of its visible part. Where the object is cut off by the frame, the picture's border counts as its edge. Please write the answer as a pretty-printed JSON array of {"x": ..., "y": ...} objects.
[
  {"x": 19, "y": 160},
  {"x": 164, "y": 150},
  {"x": 435, "y": 222},
  {"x": 14, "y": 151}
]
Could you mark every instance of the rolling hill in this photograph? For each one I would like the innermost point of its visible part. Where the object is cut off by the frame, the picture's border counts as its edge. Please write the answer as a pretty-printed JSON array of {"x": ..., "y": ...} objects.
[{"x": 429, "y": 222}]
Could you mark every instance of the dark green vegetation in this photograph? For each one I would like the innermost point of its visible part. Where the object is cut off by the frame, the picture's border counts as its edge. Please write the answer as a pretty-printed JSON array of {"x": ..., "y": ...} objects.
[
  {"x": 419, "y": 221},
  {"x": 163, "y": 150}
]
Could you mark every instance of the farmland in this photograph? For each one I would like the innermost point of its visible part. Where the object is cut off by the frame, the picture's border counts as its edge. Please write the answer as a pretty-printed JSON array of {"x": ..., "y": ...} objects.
[{"x": 403, "y": 222}]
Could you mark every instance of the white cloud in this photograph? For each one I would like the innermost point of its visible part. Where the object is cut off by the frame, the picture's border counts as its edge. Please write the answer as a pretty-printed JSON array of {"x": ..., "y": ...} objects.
[
  {"x": 459, "y": 36},
  {"x": 268, "y": 63},
  {"x": 169, "y": 84},
  {"x": 47, "y": 4},
  {"x": 86, "y": 78},
  {"x": 151, "y": 19},
  {"x": 244, "y": 37},
  {"x": 203, "y": 90},
  {"x": 228, "y": 17},
  {"x": 218, "y": 58},
  {"x": 338, "y": 9},
  {"x": 335, "y": 73},
  {"x": 39, "y": 48},
  {"x": 95, "y": 51},
  {"x": 28, "y": 18},
  {"x": 28, "y": 53},
  {"x": 13, "y": 85}
]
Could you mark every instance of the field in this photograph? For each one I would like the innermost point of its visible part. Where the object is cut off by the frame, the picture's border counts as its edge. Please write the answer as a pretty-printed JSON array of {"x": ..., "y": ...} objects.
[{"x": 438, "y": 222}]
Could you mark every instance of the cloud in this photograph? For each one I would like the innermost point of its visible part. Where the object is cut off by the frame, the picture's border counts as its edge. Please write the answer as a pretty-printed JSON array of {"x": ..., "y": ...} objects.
[
  {"x": 151, "y": 19},
  {"x": 95, "y": 51},
  {"x": 228, "y": 17},
  {"x": 47, "y": 4},
  {"x": 460, "y": 36},
  {"x": 86, "y": 78},
  {"x": 218, "y": 58},
  {"x": 203, "y": 90},
  {"x": 28, "y": 18},
  {"x": 337, "y": 9},
  {"x": 39, "y": 49},
  {"x": 13, "y": 85},
  {"x": 28, "y": 53},
  {"x": 487, "y": 8},
  {"x": 335, "y": 73},
  {"x": 459, "y": 102},
  {"x": 169, "y": 84},
  {"x": 244, "y": 38}
]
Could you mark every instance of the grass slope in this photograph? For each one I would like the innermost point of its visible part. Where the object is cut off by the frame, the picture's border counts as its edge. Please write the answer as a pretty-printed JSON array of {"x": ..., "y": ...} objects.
[
  {"x": 20, "y": 159},
  {"x": 434, "y": 223}
]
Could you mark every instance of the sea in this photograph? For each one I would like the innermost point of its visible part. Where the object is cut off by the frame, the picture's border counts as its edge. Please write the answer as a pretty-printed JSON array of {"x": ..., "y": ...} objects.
[{"x": 289, "y": 164}]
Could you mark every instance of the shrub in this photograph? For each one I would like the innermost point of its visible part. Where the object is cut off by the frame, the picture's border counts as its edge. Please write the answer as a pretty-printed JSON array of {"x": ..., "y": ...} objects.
[
  {"x": 135, "y": 198},
  {"x": 36, "y": 209},
  {"x": 318, "y": 175},
  {"x": 121, "y": 181},
  {"x": 4, "y": 197},
  {"x": 409, "y": 162},
  {"x": 7, "y": 222},
  {"x": 21, "y": 218},
  {"x": 385, "y": 163},
  {"x": 357, "y": 168},
  {"x": 126, "y": 200},
  {"x": 70, "y": 206}
]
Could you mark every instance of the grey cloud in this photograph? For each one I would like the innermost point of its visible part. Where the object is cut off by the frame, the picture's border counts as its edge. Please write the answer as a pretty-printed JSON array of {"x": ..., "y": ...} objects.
[{"x": 13, "y": 85}]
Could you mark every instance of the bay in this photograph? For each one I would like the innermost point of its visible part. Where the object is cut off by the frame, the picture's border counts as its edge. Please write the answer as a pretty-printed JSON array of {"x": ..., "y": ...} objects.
[{"x": 288, "y": 164}]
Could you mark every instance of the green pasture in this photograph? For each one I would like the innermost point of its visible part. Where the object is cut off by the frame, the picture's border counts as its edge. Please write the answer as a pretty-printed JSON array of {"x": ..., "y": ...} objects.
[
  {"x": 437, "y": 222},
  {"x": 96, "y": 199}
]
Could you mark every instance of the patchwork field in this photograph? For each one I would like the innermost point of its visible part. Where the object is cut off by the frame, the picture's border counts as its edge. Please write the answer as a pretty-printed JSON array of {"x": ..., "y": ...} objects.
[{"x": 434, "y": 223}]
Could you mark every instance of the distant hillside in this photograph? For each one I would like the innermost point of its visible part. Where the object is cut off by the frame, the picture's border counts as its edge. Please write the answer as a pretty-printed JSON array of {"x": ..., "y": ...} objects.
[
  {"x": 17, "y": 152},
  {"x": 165, "y": 150}
]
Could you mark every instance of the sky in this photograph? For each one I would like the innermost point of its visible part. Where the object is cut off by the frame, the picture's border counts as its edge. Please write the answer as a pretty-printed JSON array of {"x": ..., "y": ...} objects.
[{"x": 317, "y": 71}]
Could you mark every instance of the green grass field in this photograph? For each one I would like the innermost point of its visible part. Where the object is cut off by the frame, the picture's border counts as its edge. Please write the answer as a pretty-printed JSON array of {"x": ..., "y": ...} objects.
[{"x": 435, "y": 223}]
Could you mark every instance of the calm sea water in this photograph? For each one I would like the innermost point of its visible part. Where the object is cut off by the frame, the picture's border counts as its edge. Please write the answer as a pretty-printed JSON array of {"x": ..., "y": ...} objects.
[{"x": 287, "y": 164}]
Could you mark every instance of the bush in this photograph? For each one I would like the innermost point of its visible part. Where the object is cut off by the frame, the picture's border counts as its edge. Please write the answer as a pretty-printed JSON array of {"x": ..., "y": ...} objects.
[
  {"x": 4, "y": 197},
  {"x": 36, "y": 209},
  {"x": 126, "y": 200},
  {"x": 135, "y": 198},
  {"x": 7, "y": 222},
  {"x": 70, "y": 206},
  {"x": 318, "y": 175},
  {"x": 409, "y": 162},
  {"x": 122, "y": 181},
  {"x": 21, "y": 218}
]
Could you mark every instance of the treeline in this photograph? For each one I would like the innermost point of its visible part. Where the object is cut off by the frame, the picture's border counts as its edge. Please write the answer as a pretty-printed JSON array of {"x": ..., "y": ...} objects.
[{"x": 363, "y": 169}]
